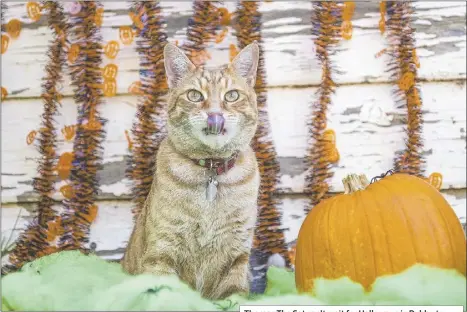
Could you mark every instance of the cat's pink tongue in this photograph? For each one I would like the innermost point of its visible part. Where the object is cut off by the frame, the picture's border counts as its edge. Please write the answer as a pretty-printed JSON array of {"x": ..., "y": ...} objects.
[{"x": 215, "y": 123}]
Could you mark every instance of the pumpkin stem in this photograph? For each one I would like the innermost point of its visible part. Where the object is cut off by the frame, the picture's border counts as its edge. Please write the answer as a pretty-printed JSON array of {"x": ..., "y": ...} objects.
[{"x": 354, "y": 182}]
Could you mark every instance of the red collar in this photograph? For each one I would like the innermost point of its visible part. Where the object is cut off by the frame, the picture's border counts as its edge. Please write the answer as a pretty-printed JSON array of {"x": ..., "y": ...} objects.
[{"x": 219, "y": 166}]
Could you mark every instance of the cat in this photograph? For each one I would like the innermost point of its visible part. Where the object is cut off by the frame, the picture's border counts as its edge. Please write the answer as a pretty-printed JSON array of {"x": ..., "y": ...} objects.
[{"x": 199, "y": 218}]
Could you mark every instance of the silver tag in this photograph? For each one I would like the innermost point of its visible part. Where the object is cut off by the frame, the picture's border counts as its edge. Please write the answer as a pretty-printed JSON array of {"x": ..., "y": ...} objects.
[{"x": 211, "y": 189}]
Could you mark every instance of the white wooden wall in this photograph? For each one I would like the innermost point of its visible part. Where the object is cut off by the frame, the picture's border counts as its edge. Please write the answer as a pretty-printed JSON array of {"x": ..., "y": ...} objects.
[{"x": 363, "y": 114}]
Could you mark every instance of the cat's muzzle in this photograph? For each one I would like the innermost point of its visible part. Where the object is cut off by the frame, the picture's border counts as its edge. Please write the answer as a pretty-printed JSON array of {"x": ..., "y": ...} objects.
[{"x": 215, "y": 124}]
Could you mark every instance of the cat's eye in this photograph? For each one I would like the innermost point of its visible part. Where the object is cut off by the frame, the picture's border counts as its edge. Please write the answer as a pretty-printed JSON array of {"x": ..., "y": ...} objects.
[
  {"x": 195, "y": 96},
  {"x": 231, "y": 96}
]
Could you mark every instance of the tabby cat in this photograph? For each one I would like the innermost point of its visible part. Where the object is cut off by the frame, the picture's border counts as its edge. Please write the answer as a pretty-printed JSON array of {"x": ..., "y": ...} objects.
[{"x": 199, "y": 217}]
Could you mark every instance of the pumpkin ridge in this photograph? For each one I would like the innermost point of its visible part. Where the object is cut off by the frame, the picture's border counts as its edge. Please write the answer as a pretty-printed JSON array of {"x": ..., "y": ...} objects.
[
  {"x": 380, "y": 210},
  {"x": 427, "y": 218},
  {"x": 328, "y": 219},
  {"x": 354, "y": 278},
  {"x": 384, "y": 230},
  {"x": 365, "y": 213},
  {"x": 319, "y": 271},
  {"x": 453, "y": 248},
  {"x": 410, "y": 230},
  {"x": 437, "y": 203},
  {"x": 434, "y": 232}
]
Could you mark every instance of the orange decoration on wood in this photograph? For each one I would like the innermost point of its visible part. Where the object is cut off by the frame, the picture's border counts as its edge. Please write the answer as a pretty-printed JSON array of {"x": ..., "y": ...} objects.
[
  {"x": 13, "y": 28},
  {"x": 232, "y": 51},
  {"x": 67, "y": 191},
  {"x": 348, "y": 10},
  {"x": 329, "y": 136},
  {"x": 31, "y": 136},
  {"x": 382, "y": 25},
  {"x": 136, "y": 88},
  {"x": 221, "y": 36},
  {"x": 382, "y": 8},
  {"x": 73, "y": 52},
  {"x": 333, "y": 155},
  {"x": 54, "y": 229},
  {"x": 382, "y": 21},
  {"x": 346, "y": 29},
  {"x": 126, "y": 35},
  {"x": 406, "y": 81},
  {"x": 93, "y": 124},
  {"x": 109, "y": 87},
  {"x": 225, "y": 16},
  {"x": 99, "y": 19},
  {"x": 128, "y": 139},
  {"x": 69, "y": 132},
  {"x": 92, "y": 213},
  {"x": 34, "y": 11},
  {"x": 111, "y": 49},
  {"x": 436, "y": 179},
  {"x": 4, "y": 93},
  {"x": 64, "y": 165},
  {"x": 5, "y": 43},
  {"x": 110, "y": 71}
]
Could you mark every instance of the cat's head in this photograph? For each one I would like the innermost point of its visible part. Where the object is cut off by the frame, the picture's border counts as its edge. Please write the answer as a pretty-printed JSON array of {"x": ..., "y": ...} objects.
[{"x": 211, "y": 112}]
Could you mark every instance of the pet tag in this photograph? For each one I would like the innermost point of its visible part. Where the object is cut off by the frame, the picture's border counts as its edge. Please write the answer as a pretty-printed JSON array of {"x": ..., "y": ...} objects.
[{"x": 211, "y": 189}]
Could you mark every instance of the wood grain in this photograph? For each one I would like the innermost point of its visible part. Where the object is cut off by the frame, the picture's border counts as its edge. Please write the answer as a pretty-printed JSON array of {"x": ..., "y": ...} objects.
[
  {"x": 368, "y": 126},
  {"x": 290, "y": 58},
  {"x": 112, "y": 227}
]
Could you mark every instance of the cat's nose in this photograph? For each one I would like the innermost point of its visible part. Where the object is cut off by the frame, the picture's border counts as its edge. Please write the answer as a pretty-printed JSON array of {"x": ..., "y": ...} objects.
[{"x": 216, "y": 123}]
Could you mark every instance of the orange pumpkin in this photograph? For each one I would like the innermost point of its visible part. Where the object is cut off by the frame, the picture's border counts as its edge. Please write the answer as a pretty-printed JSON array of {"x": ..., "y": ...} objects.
[{"x": 378, "y": 229}]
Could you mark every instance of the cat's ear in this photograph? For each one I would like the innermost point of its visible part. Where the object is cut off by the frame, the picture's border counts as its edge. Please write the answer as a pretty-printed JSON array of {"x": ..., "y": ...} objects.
[
  {"x": 177, "y": 65},
  {"x": 245, "y": 64}
]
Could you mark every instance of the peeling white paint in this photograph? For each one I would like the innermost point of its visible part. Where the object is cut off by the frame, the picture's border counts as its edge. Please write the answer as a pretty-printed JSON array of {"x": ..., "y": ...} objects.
[
  {"x": 288, "y": 61},
  {"x": 118, "y": 189},
  {"x": 286, "y": 29},
  {"x": 362, "y": 117},
  {"x": 422, "y": 22},
  {"x": 282, "y": 21}
]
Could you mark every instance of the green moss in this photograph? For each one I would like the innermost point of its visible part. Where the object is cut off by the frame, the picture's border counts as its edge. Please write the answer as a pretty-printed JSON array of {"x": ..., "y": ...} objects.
[{"x": 70, "y": 280}]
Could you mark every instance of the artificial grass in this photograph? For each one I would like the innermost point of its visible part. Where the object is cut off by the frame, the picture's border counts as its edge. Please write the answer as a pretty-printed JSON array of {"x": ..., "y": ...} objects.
[{"x": 69, "y": 281}]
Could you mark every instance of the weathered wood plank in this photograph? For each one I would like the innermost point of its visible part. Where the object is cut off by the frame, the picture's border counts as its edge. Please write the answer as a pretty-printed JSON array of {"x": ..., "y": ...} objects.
[
  {"x": 113, "y": 225},
  {"x": 368, "y": 126},
  {"x": 290, "y": 60}
]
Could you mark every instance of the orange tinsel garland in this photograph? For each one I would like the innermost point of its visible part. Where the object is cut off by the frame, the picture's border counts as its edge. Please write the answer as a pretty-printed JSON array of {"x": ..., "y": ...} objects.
[
  {"x": 269, "y": 236},
  {"x": 326, "y": 26},
  {"x": 202, "y": 28},
  {"x": 86, "y": 76},
  {"x": 403, "y": 68},
  {"x": 35, "y": 240},
  {"x": 149, "y": 129}
]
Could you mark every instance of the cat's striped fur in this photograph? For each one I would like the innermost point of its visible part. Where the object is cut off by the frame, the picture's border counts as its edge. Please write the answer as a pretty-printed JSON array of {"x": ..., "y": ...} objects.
[{"x": 207, "y": 244}]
